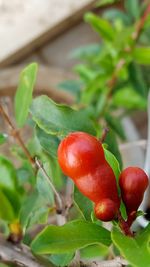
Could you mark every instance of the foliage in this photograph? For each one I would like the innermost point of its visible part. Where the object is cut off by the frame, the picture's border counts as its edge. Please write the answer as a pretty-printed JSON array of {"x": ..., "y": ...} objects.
[{"x": 111, "y": 79}]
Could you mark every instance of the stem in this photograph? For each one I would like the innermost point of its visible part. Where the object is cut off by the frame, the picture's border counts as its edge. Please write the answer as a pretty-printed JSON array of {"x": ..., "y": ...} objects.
[
  {"x": 16, "y": 134},
  {"x": 35, "y": 162},
  {"x": 124, "y": 226}
]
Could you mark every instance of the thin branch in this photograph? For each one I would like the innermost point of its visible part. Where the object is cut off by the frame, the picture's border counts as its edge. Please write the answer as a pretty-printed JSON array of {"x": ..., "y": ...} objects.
[
  {"x": 16, "y": 134},
  {"x": 117, "y": 262},
  {"x": 17, "y": 255},
  {"x": 35, "y": 162}
]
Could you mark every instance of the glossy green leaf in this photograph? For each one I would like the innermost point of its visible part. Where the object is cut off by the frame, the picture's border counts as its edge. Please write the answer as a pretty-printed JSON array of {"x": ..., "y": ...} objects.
[
  {"x": 24, "y": 91},
  {"x": 58, "y": 119},
  {"x": 84, "y": 205},
  {"x": 6, "y": 209},
  {"x": 48, "y": 142},
  {"x": 141, "y": 54},
  {"x": 61, "y": 259},
  {"x": 129, "y": 99},
  {"x": 135, "y": 250},
  {"x": 7, "y": 174},
  {"x": 69, "y": 237},
  {"x": 3, "y": 138},
  {"x": 113, "y": 162},
  {"x": 102, "y": 26},
  {"x": 111, "y": 141},
  {"x": 116, "y": 125}
]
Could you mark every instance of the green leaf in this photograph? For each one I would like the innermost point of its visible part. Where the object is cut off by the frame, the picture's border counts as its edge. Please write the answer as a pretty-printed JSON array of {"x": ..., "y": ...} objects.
[
  {"x": 133, "y": 8},
  {"x": 48, "y": 142},
  {"x": 142, "y": 55},
  {"x": 84, "y": 205},
  {"x": 116, "y": 125},
  {"x": 6, "y": 209},
  {"x": 44, "y": 188},
  {"x": 129, "y": 247},
  {"x": 32, "y": 206},
  {"x": 71, "y": 86},
  {"x": 61, "y": 259},
  {"x": 113, "y": 162},
  {"x": 86, "y": 52},
  {"x": 112, "y": 143},
  {"x": 137, "y": 79},
  {"x": 7, "y": 174},
  {"x": 105, "y": 2},
  {"x": 3, "y": 138},
  {"x": 58, "y": 119},
  {"x": 94, "y": 251},
  {"x": 69, "y": 237},
  {"x": 102, "y": 26},
  {"x": 129, "y": 99},
  {"x": 23, "y": 95},
  {"x": 113, "y": 14}
]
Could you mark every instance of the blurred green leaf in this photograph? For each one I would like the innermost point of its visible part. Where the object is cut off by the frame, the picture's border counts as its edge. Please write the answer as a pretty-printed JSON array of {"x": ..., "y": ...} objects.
[
  {"x": 133, "y": 8},
  {"x": 115, "y": 124},
  {"x": 86, "y": 52},
  {"x": 105, "y": 2},
  {"x": 129, "y": 99},
  {"x": 24, "y": 91},
  {"x": 58, "y": 119},
  {"x": 129, "y": 247},
  {"x": 71, "y": 86},
  {"x": 61, "y": 260},
  {"x": 84, "y": 205},
  {"x": 6, "y": 209},
  {"x": 69, "y": 237},
  {"x": 8, "y": 177},
  {"x": 137, "y": 79},
  {"x": 141, "y": 54},
  {"x": 48, "y": 142},
  {"x": 113, "y": 14},
  {"x": 3, "y": 138},
  {"x": 102, "y": 26}
]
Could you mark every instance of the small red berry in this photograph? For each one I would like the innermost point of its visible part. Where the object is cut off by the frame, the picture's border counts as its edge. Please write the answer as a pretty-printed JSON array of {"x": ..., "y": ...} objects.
[
  {"x": 133, "y": 183},
  {"x": 106, "y": 210},
  {"x": 79, "y": 153}
]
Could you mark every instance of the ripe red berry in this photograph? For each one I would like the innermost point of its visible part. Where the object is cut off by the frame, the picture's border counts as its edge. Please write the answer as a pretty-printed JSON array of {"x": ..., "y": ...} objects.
[
  {"x": 79, "y": 154},
  {"x": 99, "y": 184},
  {"x": 106, "y": 210},
  {"x": 133, "y": 183}
]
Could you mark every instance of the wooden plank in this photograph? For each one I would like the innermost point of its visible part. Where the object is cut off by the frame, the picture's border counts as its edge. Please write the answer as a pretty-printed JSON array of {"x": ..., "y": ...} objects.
[{"x": 25, "y": 25}]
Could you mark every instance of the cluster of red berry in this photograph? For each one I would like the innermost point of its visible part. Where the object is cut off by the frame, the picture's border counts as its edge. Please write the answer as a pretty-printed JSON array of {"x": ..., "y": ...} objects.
[{"x": 81, "y": 157}]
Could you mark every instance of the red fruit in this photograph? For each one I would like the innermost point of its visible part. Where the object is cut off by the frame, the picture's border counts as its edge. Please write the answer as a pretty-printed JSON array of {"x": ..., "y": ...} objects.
[
  {"x": 79, "y": 154},
  {"x": 99, "y": 184},
  {"x": 106, "y": 210},
  {"x": 133, "y": 183}
]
